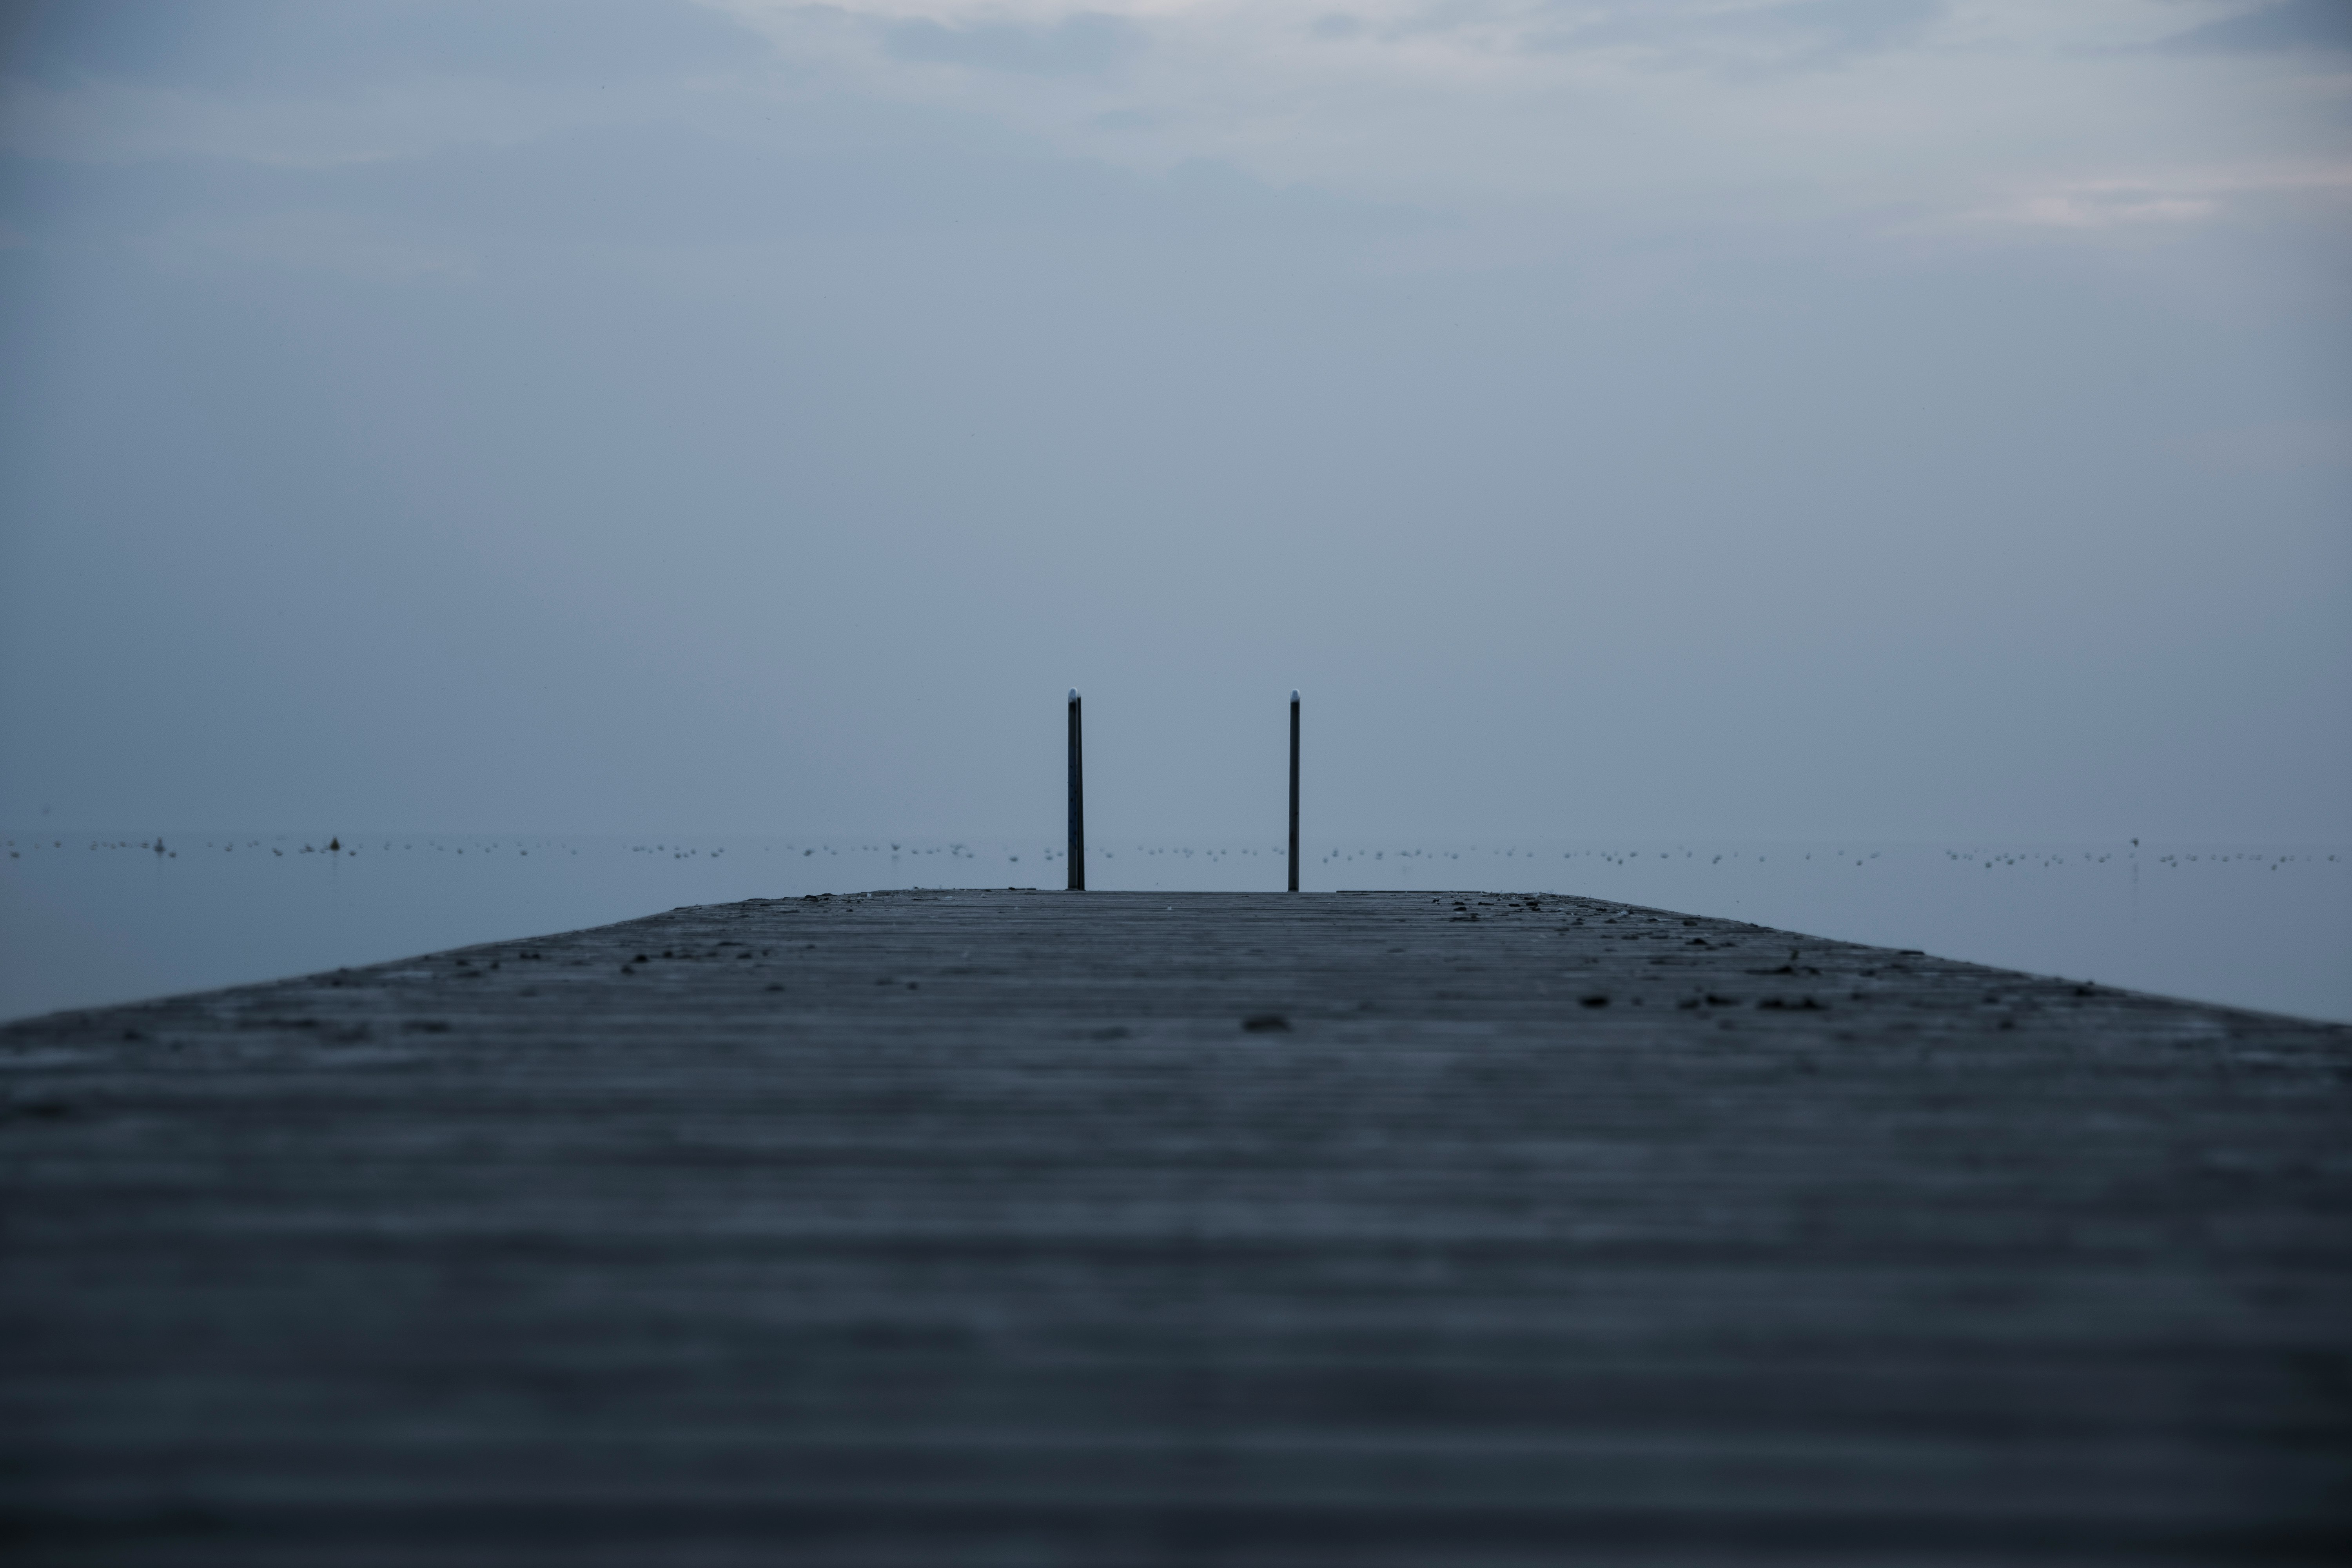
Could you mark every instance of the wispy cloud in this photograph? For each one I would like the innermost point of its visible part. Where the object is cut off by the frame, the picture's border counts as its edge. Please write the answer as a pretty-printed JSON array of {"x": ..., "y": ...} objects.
[
  {"x": 2180, "y": 198},
  {"x": 1798, "y": 35},
  {"x": 1530, "y": 122},
  {"x": 1087, "y": 41},
  {"x": 1536, "y": 113},
  {"x": 2272, "y": 26}
]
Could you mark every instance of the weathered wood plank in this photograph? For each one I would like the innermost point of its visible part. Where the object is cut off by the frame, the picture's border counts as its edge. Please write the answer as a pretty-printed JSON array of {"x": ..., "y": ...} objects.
[{"x": 980, "y": 1227}]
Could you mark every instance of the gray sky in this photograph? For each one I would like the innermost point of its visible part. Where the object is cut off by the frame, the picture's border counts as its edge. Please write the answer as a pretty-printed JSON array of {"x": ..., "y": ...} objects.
[{"x": 1720, "y": 418}]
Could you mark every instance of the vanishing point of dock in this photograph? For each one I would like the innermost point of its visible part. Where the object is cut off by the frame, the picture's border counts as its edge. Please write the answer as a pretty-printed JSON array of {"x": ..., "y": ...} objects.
[{"x": 1150, "y": 1229}]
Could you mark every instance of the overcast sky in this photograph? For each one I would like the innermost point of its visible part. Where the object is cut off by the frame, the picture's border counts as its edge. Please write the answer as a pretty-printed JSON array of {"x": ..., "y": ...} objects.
[{"x": 1706, "y": 418}]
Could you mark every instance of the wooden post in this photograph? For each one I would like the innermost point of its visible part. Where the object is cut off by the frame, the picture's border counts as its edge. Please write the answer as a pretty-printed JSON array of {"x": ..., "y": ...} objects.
[
  {"x": 1078, "y": 802},
  {"x": 1294, "y": 791}
]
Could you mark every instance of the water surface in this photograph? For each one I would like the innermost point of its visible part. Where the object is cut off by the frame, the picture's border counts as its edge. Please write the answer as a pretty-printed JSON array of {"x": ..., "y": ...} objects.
[{"x": 93, "y": 919}]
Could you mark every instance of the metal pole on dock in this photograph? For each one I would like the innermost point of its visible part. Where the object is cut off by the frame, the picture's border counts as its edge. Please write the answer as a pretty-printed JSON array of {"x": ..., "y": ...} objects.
[
  {"x": 1294, "y": 791},
  {"x": 1078, "y": 802}
]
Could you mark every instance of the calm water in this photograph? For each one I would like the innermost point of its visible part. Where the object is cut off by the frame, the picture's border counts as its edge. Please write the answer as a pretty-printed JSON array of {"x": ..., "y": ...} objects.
[{"x": 85, "y": 921}]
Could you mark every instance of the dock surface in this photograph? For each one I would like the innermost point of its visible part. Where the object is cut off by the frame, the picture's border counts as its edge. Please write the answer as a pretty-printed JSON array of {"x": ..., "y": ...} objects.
[{"x": 1110, "y": 1228}]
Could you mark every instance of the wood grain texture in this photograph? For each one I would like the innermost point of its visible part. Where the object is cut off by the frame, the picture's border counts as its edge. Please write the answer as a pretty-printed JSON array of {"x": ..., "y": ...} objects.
[{"x": 1150, "y": 1229}]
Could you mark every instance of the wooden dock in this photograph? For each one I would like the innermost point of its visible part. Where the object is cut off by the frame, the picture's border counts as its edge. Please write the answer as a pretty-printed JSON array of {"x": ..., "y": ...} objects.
[{"x": 1108, "y": 1228}]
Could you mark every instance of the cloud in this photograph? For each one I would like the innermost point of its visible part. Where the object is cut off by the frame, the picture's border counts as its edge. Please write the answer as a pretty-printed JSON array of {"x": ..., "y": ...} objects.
[
  {"x": 249, "y": 45},
  {"x": 293, "y": 83},
  {"x": 1086, "y": 42},
  {"x": 1520, "y": 127},
  {"x": 2107, "y": 206},
  {"x": 2186, "y": 198},
  {"x": 1539, "y": 114},
  {"x": 1798, "y": 34},
  {"x": 2294, "y": 26}
]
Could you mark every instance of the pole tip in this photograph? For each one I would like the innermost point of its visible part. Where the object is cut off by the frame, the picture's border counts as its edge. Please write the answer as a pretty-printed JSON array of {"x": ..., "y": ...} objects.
[
  {"x": 1074, "y": 694},
  {"x": 1294, "y": 694}
]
